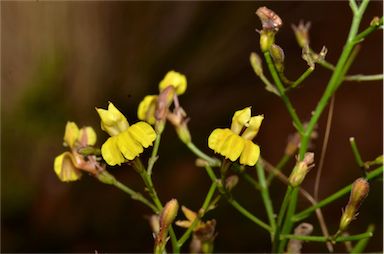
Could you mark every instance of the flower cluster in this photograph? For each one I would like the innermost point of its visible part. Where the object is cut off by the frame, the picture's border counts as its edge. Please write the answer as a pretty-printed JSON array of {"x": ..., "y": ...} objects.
[
  {"x": 237, "y": 141},
  {"x": 155, "y": 107},
  {"x": 126, "y": 142},
  {"x": 68, "y": 165}
]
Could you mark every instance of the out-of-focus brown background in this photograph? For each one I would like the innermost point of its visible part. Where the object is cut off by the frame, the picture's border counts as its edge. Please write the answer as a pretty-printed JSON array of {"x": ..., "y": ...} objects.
[{"x": 61, "y": 59}]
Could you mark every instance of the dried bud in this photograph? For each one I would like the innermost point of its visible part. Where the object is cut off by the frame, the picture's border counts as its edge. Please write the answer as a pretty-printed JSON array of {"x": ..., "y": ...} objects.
[
  {"x": 294, "y": 245},
  {"x": 277, "y": 54},
  {"x": 256, "y": 63},
  {"x": 302, "y": 33},
  {"x": 163, "y": 102},
  {"x": 269, "y": 19},
  {"x": 301, "y": 169},
  {"x": 203, "y": 238},
  {"x": 231, "y": 182},
  {"x": 359, "y": 192}
]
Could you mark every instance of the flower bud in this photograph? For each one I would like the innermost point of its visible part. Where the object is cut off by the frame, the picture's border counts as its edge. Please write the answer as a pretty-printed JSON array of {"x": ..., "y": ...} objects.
[
  {"x": 112, "y": 120},
  {"x": 301, "y": 169},
  {"x": 267, "y": 38},
  {"x": 359, "y": 192},
  {"x": 277, "y": 54},
  {"x": 256, "y": 63},
  {"x": 169, "y": 213},
  {"x": 302, "y": 33},
  {"x": 71, "y": 134},
  {"x": 166, "y": 218}
]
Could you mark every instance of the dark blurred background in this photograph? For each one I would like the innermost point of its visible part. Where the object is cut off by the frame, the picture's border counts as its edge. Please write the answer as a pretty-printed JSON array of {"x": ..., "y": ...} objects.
[{"x": 61, "y": 59}]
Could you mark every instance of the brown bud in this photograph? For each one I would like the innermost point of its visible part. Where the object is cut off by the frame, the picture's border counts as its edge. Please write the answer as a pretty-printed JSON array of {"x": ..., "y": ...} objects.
[{"x": 359, "y": 192}]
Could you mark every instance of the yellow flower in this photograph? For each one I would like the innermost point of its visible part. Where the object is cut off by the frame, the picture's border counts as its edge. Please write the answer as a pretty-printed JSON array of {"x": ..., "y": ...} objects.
[
  {"x": 147, "y": 108},
  {"x": 237, "y": 141},
  {"x": 65, "y": 167},
  {"x": 112, "y": 120},
  {"x": 126, "y": 142},
  {"x": 191, "y": 216},
  {"x": 175, "y": 79}
]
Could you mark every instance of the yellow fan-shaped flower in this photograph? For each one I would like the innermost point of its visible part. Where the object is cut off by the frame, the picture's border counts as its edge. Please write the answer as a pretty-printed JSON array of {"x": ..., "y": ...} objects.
[{"x": 129, "y": 144}]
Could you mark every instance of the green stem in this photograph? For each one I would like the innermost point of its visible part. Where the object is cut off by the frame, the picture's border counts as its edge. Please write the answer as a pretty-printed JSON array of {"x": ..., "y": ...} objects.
[
  {"x": 135, "y": 195},
  {"x": 250, "y": 180},
  {"x": 268, "y": 85},
  {"x": 212, "y": 161},
  {"x": 335, "y": 80},
  {"x": 203, "y": 210},
  {"x": 326, "y": 239},
  {"x": 280, "y": 165},
  {"x": 360, "y": 77},
  {"x": 248, "y": 215},
  {"x": 344, "y": 191},
  {"x": 280, "y": 218},
  {"x": 234, "y": 203},
  {"x": 356, "y": 152},
  {"x": 153, "y": 158},
  {"x": 152, "y": 192},
  {"x": 266, "y": 198},
  {"x": 302, "y": 77},
  {"x": 360, "y": 245},
  {"x": 373, "y": 27},
  {"x": 280, "y": 87},
  {"x": 288, "y": 222}
]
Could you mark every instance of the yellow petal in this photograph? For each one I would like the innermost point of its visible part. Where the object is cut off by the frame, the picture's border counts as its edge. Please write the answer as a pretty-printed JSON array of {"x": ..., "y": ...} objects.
[
  {"x": 143, "y": 133},
  {"x": 111, "y": 152},
  {"x": 250, "y": 154},
  {"x": 65, "y": 168},
  {"x": 112, "y": 120},
  {"x": 217, "y": 138},
  {"x": 240, "y": 120},
  {"x": 128, "y": 146},
  {"x": 87, "y": 136},
  {"x": 189, "y": 214},
  {"x": 147, "y": 108},
  {"x": 175, "y": 79},
  {"x": 71, "y": 134},
  {"x": 232, "y": 147},
  {"x": 253, "y": 127}
]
